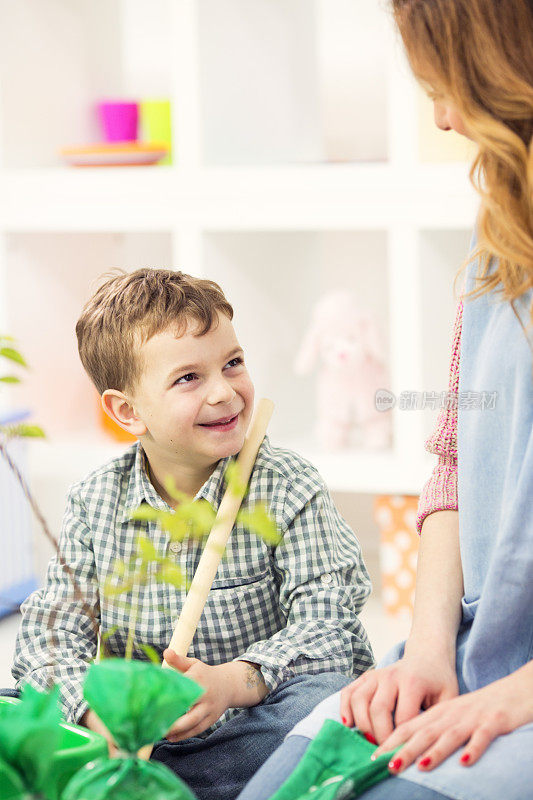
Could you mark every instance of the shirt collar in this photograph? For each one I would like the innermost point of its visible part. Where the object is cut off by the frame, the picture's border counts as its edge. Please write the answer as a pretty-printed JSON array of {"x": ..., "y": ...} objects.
[{"x": 141, "y": 490}]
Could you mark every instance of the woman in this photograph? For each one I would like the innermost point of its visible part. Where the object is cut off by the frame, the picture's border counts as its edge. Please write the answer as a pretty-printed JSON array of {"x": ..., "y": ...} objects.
[{"x": 457, "y": 697}]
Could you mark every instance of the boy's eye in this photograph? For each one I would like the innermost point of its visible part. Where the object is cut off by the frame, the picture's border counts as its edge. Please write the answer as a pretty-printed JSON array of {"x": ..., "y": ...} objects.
[
  {"x": 191, "y": 376},
  {"x": 187, "y": 378},
  {"x": 235, "y": 362}
]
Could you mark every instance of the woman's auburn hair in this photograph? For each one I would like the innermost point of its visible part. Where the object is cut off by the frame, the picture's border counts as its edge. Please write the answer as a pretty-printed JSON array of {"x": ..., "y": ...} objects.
[{"x": 479, "y": 54}]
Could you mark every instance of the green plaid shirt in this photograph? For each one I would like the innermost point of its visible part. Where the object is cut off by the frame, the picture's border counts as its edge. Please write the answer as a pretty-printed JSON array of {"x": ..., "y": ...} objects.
[{"x": 291, "y": 608}]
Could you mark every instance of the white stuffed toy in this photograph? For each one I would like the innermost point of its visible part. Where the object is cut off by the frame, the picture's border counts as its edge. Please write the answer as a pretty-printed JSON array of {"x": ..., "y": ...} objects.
[{"x": 344, "y": 342}]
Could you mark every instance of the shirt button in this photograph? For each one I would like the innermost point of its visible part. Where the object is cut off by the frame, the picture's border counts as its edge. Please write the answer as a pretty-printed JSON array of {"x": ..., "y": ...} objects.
[
  {"x": 175, "y": 547},
  {"x": 326, "y": 579}
]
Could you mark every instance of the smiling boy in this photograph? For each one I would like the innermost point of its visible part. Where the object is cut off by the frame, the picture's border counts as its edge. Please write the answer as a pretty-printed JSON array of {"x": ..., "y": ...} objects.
[
  {"x": 173, "y": 417},
  {"x": 280, "y": 629}
]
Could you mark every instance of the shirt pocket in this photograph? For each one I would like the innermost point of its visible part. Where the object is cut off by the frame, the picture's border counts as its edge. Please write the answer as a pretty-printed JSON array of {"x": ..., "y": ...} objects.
[
  {"x": 232, "y": 581},
  {"x": 240, "y": 611}
]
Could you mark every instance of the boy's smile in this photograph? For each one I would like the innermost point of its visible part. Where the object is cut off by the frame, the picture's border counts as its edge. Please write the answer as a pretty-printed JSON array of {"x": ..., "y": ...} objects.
[{"x": 193, "y": 403}]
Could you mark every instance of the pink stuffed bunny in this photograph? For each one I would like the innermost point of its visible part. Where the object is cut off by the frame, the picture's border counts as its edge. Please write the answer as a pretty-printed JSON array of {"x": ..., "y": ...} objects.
[{"x": 345, "y": 342}]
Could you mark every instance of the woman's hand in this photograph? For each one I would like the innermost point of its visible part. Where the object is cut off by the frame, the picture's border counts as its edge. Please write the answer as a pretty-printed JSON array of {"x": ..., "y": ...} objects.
[
  {"x": 383, "y": 698},
  {"x": 235, "y": 684},
  {"x": 474, "y": 719}
]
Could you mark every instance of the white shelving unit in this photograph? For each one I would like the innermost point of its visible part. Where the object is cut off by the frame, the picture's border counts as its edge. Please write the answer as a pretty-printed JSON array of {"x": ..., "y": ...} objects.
[{"x": 300, "y": 161}]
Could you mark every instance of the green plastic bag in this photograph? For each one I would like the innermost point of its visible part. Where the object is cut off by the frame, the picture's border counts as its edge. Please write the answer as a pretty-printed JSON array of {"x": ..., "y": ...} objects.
[
  {"x": 138, "y": 702},
  {"x": 11, "y": 784},
  {"x": 29, "y": 735},
  {"x": 336, "y": 766},
  {"x": 28, "y": 732}
]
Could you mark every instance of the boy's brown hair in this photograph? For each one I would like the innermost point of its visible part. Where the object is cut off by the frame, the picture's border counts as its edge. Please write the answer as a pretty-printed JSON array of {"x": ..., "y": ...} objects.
[{"x": 130, "y": 308}]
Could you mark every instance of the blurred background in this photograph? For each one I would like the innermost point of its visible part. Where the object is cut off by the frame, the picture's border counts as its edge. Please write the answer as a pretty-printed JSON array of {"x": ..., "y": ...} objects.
[{"x": 278, "y": 147}]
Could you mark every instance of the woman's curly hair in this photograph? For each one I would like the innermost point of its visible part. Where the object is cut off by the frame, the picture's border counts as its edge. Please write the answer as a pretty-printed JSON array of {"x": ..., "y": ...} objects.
[{"x": 479, "y": 54}]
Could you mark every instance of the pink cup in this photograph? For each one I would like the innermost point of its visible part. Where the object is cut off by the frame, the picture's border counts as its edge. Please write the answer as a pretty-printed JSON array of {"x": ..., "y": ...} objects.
[{"x": 119, "y": 120}]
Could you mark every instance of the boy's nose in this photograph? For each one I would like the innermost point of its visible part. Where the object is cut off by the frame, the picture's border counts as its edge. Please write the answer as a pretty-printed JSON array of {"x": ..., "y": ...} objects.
[{"x": 221, "y": 392}]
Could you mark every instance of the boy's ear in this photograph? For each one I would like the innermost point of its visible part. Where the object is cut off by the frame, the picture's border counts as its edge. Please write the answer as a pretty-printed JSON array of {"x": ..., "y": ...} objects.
[{"x": 117, "y": 406}]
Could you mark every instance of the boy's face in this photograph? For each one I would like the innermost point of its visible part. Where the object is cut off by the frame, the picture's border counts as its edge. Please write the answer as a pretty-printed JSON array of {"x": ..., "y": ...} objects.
[{"x": 188, "y": 383}]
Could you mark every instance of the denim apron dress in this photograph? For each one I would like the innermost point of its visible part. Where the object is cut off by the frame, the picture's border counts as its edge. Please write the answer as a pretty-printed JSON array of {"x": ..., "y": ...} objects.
[{"x": 495, "y": 491}]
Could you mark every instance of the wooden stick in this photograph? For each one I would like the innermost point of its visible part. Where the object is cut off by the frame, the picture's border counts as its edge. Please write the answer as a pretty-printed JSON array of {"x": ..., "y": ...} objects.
[
  {"x": 216, "y": 542},
  {"x": 220, "y": 532}
]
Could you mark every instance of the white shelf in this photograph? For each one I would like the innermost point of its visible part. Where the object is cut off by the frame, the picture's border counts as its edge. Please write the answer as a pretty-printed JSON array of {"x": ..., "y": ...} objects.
[
  {"x": 368, "y": 472},
  {"x": 355, "y": 196},
  {"x": 287, "y": 165}
]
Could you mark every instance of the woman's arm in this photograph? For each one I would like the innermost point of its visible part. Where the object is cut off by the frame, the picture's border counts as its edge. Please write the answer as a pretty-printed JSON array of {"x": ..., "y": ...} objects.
[
  {"x": 384, "y": 698},
  {"x": 439, "y": 587},
  {"x": 439, "y": 581},
  {"x": 381, "y": 699}
]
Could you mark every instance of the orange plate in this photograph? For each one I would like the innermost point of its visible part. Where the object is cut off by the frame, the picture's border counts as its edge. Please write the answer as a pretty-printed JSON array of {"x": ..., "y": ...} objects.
[{"x": 115, "y": 154}]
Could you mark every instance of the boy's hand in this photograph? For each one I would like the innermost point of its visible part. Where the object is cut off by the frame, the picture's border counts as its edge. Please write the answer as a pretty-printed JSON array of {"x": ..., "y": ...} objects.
[
  {"x": 94, "y": 723},
  {"x": 235, "y": 684}
]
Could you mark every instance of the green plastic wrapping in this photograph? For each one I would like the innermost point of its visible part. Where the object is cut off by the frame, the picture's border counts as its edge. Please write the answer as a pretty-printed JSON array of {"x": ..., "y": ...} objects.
[
  {"x": 11, "y": 784},
  {"x": 335, "y": 766},
  {"x": 138, "y": 702},
  {"x": 29, "y": 735},
  {"x": 131, "y": 778}
]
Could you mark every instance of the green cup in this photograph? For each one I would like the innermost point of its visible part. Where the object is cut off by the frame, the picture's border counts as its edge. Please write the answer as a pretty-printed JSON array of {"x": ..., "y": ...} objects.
[{"x": 156, "y": 125}]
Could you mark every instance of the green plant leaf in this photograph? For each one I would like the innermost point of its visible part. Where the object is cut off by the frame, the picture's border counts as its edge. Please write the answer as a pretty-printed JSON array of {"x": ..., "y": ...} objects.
[
  {"x": 9, "y": 379},
  {"x": 233, "y": 478},
  {"x": 105, "y": 636},
  {"x": 124, "y": 605},
  {"x": 112, "y": 589},
  {"x": 144, "y": 512},
  {"x": 199, "y": 516},
  {"x": 170, "y": 521},
  {"x": 147, "y": 549},
  {"x": 119, "y": 568},
  {"x": 170, "y": 486},
  {"x": 261, "y": 523},
  {"x": 25, "y": 430},
  {"x": 13, "y": 355},
  {"x": 170, "y": 573},
  {"x": 103, "y": 641},
  {"x": 151, "y": 652}
]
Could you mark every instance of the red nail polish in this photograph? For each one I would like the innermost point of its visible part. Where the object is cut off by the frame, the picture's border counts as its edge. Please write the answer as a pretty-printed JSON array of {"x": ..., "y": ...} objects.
[
  {"x": 465, "y": 758},
  {"x": 344, "y": 720},
  {"x": 425, "y": 762},
  {"x": 370, "y": 738},
  {"x": 396, "y": 764}
]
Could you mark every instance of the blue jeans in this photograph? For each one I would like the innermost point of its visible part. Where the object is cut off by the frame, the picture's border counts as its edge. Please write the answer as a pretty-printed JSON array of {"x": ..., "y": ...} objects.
[
  {"x": 279, "y": 766},
  {"x": 219, "y": 766}
]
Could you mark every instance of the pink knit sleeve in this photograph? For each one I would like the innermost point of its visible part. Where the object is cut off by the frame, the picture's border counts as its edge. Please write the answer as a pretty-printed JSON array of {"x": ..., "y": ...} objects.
[{"x": 440, "y": 492}]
